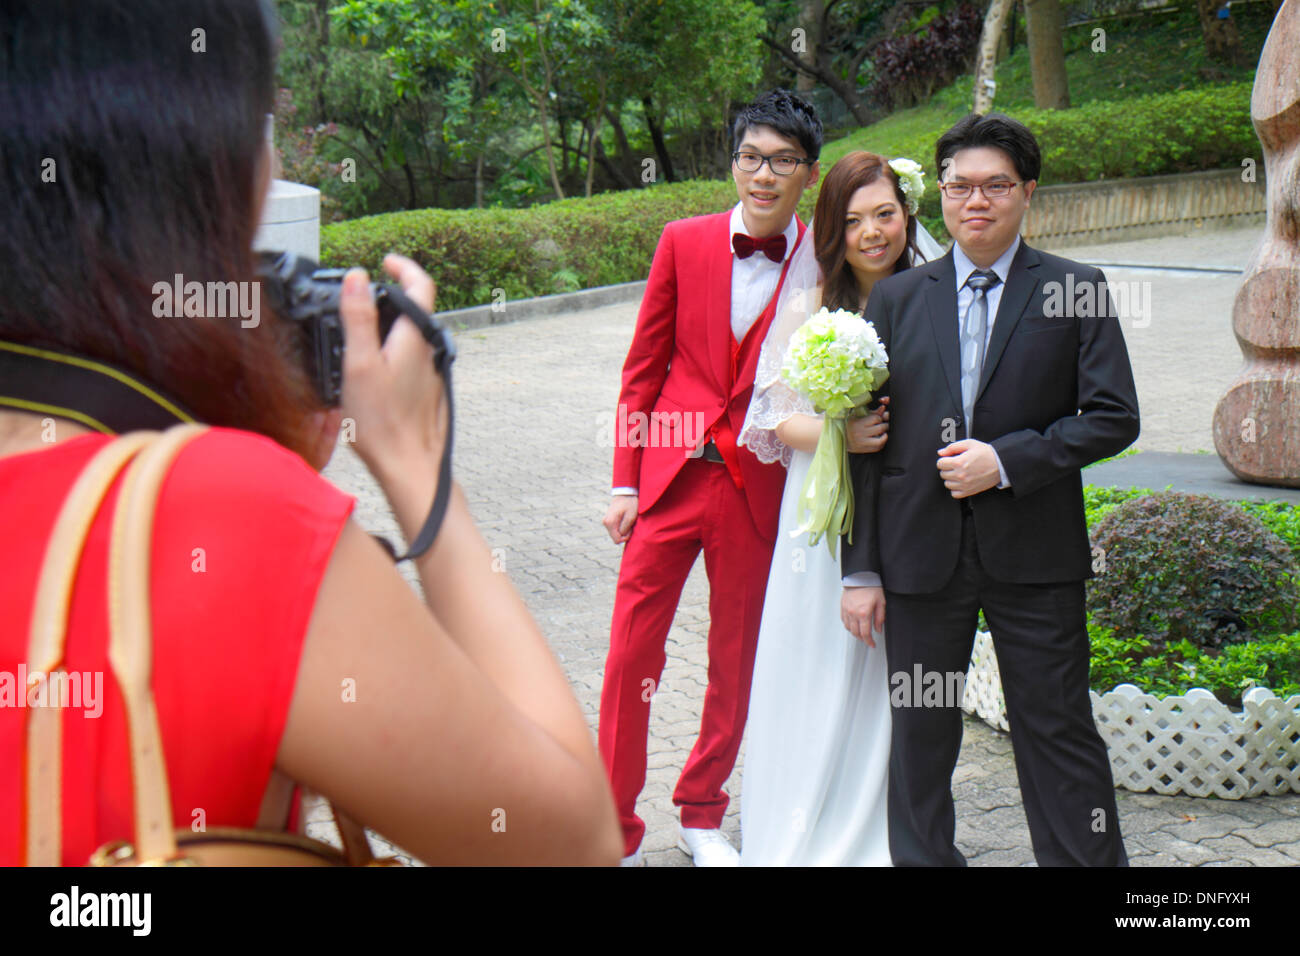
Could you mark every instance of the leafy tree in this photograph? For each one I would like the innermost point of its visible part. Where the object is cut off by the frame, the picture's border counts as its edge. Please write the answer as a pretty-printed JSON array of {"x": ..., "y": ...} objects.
[
  {"x": 469, "y": 46},
  {"x": 831, "y": 42},
  {"x": 341, "y": 101},
  {"x": 682, "y": 58}
]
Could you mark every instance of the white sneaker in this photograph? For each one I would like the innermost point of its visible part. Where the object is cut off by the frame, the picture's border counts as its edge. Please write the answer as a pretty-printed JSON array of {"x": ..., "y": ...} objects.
[
  {"x": 707, "y": 847},
  {"x": 635, "y": 859}
]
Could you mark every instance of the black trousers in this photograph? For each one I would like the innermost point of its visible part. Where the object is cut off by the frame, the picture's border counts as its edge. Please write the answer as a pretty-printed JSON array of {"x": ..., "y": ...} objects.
[{"x": 1041, "y": 639}]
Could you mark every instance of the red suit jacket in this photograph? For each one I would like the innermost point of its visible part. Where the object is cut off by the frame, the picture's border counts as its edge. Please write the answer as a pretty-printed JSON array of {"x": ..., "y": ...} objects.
[{"x": 685, "y": 377}]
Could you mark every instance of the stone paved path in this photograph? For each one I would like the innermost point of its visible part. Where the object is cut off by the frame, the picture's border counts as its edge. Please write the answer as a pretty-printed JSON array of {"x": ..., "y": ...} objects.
[{"x": 535, "y": 400}]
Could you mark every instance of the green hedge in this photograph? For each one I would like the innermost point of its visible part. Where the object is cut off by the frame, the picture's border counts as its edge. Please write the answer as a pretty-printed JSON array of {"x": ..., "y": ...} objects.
[
  {"x": 583, "y": 243},
  {"x": 557, "y": 247},
  {"x": 1273, "y": 663},
  {"x": 1207, "y": 128}
]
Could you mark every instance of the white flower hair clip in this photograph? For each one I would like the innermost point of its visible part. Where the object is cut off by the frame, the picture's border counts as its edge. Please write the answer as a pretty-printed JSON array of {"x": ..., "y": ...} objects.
[{"x": 909, "y": 173}]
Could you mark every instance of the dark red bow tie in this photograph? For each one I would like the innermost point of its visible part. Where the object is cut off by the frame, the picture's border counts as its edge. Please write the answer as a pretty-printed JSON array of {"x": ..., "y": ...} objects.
[{"x": 773, "y": 246}]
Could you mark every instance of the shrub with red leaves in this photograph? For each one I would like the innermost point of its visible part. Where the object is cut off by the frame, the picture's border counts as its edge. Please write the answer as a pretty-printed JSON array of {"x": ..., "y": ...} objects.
[
  {"x": 1179, "y": 567},
  {"x": 910, "y": 67}
]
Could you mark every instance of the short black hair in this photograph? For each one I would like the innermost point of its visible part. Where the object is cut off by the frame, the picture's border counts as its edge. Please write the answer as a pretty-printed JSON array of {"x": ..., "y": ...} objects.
[
  {"x": 786, "y": 113},
  {"x": 998, "y": 131}
]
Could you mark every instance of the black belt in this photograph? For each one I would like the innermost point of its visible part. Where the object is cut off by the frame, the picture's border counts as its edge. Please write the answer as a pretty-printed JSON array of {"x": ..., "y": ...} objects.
[{"x": 711, "y": 453}]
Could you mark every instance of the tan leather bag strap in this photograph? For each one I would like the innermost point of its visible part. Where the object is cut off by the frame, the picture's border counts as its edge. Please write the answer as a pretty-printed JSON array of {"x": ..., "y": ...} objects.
[
  {"x": 274, "y": 815},
  {"x": 46, "y": 640},
  {"x": 276, "y": 802},
  {"x": 130, "y": 653},
  {"x": 130, "y": 649}
]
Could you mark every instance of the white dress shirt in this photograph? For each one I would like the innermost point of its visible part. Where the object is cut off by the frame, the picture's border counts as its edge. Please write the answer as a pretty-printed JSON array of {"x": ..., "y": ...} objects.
[
  {"x": 753, "y": 283},
  {"x": 964, "y": 267},
  {"x": 753, "y": 280}
]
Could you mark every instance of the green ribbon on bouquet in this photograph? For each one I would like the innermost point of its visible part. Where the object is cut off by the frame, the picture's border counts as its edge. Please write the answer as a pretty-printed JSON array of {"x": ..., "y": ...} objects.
[{"x": 825, "y": 505}]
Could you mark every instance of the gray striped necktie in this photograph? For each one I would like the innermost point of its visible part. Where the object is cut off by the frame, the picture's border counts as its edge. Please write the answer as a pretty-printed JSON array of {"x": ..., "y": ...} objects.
[{"x": 974, "y": 328}]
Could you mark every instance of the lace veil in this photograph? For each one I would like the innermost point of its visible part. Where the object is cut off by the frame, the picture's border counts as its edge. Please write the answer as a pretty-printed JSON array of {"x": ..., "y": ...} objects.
[{"x": 773, "y": 401}]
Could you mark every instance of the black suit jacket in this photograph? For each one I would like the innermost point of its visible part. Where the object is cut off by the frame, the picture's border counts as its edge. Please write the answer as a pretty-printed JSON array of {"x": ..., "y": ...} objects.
[{"x": 1056, "y": 394}]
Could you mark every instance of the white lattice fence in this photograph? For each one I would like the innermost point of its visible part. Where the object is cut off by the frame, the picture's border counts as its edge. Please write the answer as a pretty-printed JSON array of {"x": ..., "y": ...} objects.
[
  {"x": 1190, "y": 744},
  {"x": 983, "y": 696}
]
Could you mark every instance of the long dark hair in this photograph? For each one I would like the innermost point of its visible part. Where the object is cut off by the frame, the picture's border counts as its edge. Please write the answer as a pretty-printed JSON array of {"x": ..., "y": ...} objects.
[
  {"x": 857, "y": 169},
  {"x": 129, "y": 149}
]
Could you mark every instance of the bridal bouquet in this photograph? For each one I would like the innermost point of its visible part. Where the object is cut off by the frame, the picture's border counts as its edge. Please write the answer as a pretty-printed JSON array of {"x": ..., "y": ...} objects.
[{"x": 836, "y": 361}]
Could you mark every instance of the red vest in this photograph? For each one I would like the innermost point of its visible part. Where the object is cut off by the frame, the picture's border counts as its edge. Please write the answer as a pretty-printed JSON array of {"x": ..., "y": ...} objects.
[{"x": 744, "y": 363}]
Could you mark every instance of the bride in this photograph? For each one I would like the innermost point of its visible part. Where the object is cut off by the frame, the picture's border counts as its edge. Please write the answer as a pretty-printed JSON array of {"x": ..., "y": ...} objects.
[{"x": 817, "y": 749}]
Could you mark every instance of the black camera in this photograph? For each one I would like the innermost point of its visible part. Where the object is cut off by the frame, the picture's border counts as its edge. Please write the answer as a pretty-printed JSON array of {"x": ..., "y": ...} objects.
[{"x": 308, "y": 296}]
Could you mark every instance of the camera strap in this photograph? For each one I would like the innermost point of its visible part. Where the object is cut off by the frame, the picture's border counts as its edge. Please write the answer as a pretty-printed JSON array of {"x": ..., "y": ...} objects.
[
  {"x": 112, "y": 401},
  {"x": 92, "y": 393},
  {"x": 444, "y": 353}
]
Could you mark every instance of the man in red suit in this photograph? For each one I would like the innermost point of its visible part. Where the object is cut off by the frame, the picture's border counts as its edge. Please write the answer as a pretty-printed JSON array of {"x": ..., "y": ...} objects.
[{"x": 682, "y": 484}]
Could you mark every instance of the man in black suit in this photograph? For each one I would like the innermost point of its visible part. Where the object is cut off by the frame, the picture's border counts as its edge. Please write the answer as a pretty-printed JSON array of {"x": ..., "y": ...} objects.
[{"x": 1009, "y": 374}]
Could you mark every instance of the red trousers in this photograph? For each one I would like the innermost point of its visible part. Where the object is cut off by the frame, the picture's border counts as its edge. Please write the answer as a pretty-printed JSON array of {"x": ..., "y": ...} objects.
[{"x": 701, "y": 510}]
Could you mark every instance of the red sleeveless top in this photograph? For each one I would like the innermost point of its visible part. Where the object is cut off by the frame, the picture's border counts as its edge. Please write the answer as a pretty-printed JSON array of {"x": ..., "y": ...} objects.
[{"x": 243, "y": 534}]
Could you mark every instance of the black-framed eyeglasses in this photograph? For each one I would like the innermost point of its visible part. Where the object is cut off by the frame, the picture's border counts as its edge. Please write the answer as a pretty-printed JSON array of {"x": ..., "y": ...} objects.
[
  {"x": 996, "y": 190},
  {"x": 750, "y": 162}
]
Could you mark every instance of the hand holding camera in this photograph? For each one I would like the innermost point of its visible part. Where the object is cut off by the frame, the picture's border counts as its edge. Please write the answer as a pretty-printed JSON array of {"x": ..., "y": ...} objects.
[
  {"x": 392, "y": 380},
  {"x": 391, "y": 388}
]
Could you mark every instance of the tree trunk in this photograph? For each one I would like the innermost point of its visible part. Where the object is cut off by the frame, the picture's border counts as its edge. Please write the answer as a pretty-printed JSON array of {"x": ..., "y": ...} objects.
[
  {"x": 478, "y": 181},
  {"x": 595, "y": 137},
  {"x": 614, "y": 170},
  {"x": 541, "y": 95},
  {"x": 547, "y": 144},
  {"x": 848, "y": 92},
  {"x": 563, "y": 137},
  {"x": 657, "y": 137},
  {"x": 986, "y": 57},
  {"x": 323, "y": 51},
  {"x": 1045, "y": 27},
  {"x": 410, "y": 186},
  {"x": 810, "y": 16},
  {"x": 1222, "y": 38},
  {"x": 620, "y": 135}
]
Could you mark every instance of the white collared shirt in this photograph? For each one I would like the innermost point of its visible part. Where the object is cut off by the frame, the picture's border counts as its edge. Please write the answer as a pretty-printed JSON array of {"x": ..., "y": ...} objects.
[
  {"x": 964, "y": 267},
  {"x": 753, "y": 280}
]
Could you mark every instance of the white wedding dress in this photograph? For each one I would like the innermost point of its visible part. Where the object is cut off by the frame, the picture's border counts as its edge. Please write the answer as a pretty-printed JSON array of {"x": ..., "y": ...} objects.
[{"x": 817, "y": 742}]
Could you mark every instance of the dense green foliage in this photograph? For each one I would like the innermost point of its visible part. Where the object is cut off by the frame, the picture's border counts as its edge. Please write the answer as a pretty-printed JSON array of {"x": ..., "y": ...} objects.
[
  {"x": 511, "y": 102},
  {"x": 1180, "y": 567},
  {"x": 1273, "y": 663}
]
